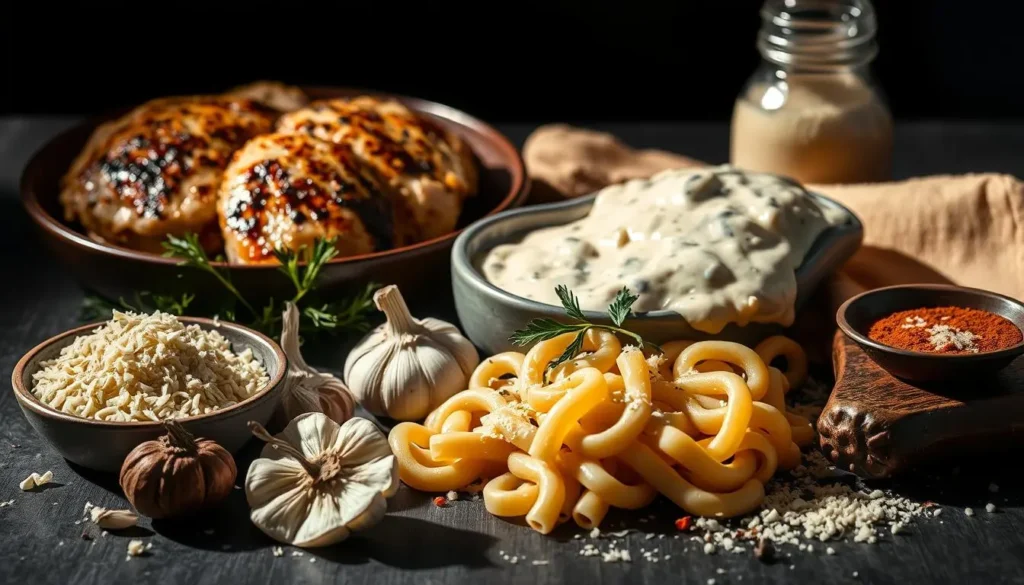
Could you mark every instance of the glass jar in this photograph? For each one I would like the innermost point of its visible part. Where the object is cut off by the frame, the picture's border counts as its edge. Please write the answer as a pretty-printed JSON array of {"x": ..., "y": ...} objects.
[{"x": 811, "y": 111}]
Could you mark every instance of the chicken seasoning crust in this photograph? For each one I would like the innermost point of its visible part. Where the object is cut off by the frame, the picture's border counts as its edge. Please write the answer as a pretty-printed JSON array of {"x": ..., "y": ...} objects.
[
  {"x": 260, "y": 168},
  {"x": 156, "y": 170},
  {"x": 286, "y": 190},
  {"x": 432, "y": 168}
]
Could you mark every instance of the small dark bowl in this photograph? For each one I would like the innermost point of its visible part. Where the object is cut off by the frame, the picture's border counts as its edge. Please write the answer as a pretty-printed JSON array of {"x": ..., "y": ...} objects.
[
  {"x": 857, "y": 314},
  {"x": 103, "y": 445},
  {"x": 116, "y": 272}
]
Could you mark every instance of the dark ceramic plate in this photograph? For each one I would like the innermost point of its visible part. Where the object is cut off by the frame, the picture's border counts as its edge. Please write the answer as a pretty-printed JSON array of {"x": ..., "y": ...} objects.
[
  {"x": 489, "y": 314},
  {"x": 103, "y": 445},
  {"x": 856, "y": 315},
  {"x": 116, "y": 272}
]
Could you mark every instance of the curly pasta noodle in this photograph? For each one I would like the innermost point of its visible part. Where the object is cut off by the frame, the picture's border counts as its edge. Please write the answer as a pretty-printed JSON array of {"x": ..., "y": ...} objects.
[{"x": 704, "y": 425}]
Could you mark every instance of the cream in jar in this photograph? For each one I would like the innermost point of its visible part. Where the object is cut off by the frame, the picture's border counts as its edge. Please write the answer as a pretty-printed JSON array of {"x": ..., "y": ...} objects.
[{"x": 716, "y": 245}]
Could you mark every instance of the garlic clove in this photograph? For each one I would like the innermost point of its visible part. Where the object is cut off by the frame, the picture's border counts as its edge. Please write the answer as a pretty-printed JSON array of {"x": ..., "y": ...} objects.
[
  {"x": 371, "y": 516},
  {"x": 113, "y": 519},
  {"x": 306, "y": 389},
  {"x": 404, "y": 389},
  {"x": 458, "y": 346}
]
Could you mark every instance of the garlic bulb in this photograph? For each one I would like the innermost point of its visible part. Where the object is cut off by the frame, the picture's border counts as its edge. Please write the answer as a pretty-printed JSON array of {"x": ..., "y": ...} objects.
[
  {"x": 305, "y": 389},
  {"x": 406, "y": 367},
  {"x": 318, "y": 481}
]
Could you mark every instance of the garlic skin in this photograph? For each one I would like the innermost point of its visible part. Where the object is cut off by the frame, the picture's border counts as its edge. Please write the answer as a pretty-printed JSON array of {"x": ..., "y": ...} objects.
[
  {"x": 406, "y": 367},
  {"x": 306, "y": 389},
  {"x": 317, "y": 481}
]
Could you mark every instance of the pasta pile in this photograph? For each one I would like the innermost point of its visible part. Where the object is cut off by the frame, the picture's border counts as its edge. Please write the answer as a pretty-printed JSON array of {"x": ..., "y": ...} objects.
[{"x": 704, "y": 424}]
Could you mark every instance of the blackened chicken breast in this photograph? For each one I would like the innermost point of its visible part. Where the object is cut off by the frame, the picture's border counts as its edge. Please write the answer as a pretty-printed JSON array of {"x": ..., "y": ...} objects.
[
  {"x": 283, "y": 191},
  {"x": 432, "y": 168},
  {"x": 157, "y": 170}
]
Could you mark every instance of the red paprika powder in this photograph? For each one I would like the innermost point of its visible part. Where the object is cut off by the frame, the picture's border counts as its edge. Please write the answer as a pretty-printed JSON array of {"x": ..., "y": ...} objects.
[{"x": 946, "y": 330}]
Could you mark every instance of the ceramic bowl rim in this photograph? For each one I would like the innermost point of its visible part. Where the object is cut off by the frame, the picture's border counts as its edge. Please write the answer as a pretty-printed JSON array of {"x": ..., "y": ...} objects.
[
  {"x": 864, "y": 340},
  {"x": 28, "y": 400},
  {"x": 520, "y": 183},
  {"x": 462, "y": 263}
]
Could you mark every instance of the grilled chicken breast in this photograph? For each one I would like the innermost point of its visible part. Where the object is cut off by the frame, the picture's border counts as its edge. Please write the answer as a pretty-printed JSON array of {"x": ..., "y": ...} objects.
[
  {"x": 273, "y": 94},
  {"x": 432, "y": 168},
  {"x": 285, "y": 190},
  {"x": 157, "y": 170}
]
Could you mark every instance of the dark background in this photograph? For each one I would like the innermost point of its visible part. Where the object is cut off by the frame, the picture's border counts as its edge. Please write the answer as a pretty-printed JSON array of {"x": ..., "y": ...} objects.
[{"x": 502, "y": 61}]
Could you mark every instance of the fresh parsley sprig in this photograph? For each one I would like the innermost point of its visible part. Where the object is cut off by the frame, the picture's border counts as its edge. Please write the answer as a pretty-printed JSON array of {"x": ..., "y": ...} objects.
[{"x": 543, "y": 328}]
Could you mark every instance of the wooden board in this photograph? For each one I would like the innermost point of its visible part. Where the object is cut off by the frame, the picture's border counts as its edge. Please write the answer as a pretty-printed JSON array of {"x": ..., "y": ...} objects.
[{"x": 876, "y": 425}]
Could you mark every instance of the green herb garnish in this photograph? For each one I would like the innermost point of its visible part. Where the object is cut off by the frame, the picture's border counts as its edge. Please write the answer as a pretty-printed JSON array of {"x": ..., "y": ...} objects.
[
  {"x": 302, "y": 268},
  {"x": 543, "y": 328}
]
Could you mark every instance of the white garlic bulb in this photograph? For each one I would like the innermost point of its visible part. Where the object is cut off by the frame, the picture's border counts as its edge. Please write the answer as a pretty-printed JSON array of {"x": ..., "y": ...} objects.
[
  {"x": 406, "y": 367},
  {"x": 318, "y": 481},
  {"x": 306, "y": 389}
]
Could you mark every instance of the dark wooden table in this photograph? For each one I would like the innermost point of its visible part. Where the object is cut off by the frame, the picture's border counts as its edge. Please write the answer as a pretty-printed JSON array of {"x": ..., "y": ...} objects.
[{"x": 40, "y": 541}]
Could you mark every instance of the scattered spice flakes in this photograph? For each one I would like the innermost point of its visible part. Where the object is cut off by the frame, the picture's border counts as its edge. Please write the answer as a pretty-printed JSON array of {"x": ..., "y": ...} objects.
[
  {"x": 684, "y": 523},
  {"x": 440, "y": 501}
]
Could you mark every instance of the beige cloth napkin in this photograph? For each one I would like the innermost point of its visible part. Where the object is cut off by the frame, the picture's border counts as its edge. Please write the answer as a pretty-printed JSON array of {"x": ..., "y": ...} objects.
[{"x": 964, "y": 229}]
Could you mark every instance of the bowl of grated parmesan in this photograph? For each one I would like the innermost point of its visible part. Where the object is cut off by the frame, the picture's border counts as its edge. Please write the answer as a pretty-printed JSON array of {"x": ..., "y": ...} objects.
[{"x": 97, "y": 391}]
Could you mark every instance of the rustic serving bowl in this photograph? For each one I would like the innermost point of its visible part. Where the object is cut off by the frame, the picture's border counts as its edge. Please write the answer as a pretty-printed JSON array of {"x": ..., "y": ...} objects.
[
  {"x": 103, "y": 445},
  {"x": 115, "y": 272},
  {"x": 857, "y": 314},
  {"x": 489, "y": 314}
]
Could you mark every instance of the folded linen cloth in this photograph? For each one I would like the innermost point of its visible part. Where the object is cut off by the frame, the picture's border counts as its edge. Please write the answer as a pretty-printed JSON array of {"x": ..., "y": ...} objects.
[{"x": 962, "y": 229}]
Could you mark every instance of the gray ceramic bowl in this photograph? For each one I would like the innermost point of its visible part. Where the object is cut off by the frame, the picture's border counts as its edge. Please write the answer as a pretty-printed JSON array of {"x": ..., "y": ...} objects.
[
  {"x": 489, "y": 315},
  {"x": 102, "y": 445}
]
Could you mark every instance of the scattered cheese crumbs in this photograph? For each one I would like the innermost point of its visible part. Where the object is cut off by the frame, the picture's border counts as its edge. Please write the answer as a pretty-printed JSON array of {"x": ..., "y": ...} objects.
[
  {"x": 993, "y": 488},
  {"x": 896, "y": 528},
  {"x": 452, "y": 496},
  {"x": 856, "y": 573},
  {"x": 830, "y": 551},
  {"x": 937, "y": 512},
  {"x": 650, "y": 536},
  {"x": 969, "y": 511},
  {"x": 990, "y": 507},
  {"x": 711, "y": 581},
  {"x": 136, "y": 548},
  {"x": 720, "y": 571},
  {"x": 7, "y": 503},
  {"x": 596, "y": 532},
  {"x": 538, "y": 562},
  {"x": 709, "y": 548},
  {"x": 312, "y": 559},
  {"x": 296, "y": 553},
  {"x": 35, "y": 480},
  {"x": 616, "y": 555},
  {"x": 278, "y": 551}
]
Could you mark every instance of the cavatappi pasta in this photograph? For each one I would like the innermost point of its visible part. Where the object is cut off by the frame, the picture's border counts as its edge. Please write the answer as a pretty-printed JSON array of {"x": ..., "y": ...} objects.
[{"x": 704, "y": 424}]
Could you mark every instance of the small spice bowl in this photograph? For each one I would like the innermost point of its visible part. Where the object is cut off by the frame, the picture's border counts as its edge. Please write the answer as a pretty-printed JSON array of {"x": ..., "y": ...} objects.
[
  {"x": 103, "y": 445},
  {"x": 857, "y": 314}
]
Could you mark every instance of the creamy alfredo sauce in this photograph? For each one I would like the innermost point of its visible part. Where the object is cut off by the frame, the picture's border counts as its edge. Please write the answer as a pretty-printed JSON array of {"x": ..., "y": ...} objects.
[{"x": 716, "y": 245}]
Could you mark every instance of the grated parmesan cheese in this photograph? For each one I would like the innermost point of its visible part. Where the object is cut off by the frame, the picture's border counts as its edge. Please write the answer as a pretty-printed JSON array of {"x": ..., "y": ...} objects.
[{"x": 139, "y": 367}]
